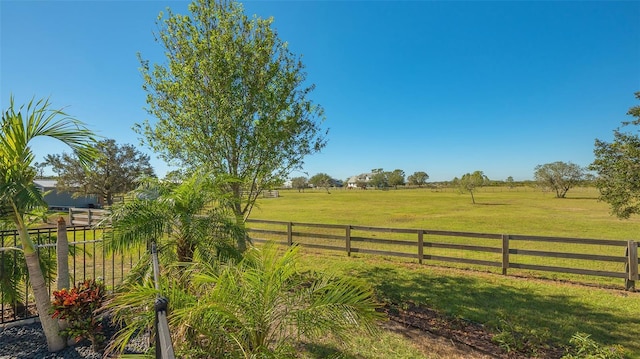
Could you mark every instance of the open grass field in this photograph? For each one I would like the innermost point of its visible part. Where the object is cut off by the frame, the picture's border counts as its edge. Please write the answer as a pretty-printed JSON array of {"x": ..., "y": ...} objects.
[
  {"x": 524, "y": 309},
  {"x": 496, "y": 211}
]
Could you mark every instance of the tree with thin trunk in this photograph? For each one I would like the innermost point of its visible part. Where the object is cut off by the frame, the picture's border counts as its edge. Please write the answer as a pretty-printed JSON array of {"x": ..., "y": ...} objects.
[
  {"x": 230, "y": 98},
  {"x": 469, "y": 182},
  {"x": 396, "y": 178},
  {"x": 418, "y": 178},
  {"x": 559, "y": 176},
  {"x": 322, "y": 180},
  {"x": 19, "y": 195},
  {"x": 299, "y": 183}
]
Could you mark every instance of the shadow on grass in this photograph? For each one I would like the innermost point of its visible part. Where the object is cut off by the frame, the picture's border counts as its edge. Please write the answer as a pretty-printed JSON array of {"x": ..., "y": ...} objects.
[
  {"x": 314, "y": 350},
  {"x": 556, "y": 317}
]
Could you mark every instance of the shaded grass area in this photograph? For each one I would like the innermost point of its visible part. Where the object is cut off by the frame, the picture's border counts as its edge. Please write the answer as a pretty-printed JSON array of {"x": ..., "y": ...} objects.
[{"x": 541, "y": 311}]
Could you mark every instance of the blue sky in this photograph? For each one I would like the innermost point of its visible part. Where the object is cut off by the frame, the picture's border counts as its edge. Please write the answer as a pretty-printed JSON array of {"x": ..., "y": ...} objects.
[{"x": 444, "y": 87}]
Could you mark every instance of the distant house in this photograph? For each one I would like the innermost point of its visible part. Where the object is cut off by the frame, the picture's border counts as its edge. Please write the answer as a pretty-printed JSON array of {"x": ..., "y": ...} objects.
[
  {"x": 354, "y": 180},
  {"x": 63, "y": 200}
]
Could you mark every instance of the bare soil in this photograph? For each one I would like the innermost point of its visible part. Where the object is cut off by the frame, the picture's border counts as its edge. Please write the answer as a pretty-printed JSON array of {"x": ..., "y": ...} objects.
[{"x": 443, "y": 337}]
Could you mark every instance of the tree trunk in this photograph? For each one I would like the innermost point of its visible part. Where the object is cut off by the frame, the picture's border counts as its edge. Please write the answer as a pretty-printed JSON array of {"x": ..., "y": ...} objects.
[
  {"x": 43, "y": 302},
  {"x": 473, "y": 200},
  {"x": 241, "y": 241},
  {"x": 50, "y": 326},
  {"x": 62, "y": 255}
]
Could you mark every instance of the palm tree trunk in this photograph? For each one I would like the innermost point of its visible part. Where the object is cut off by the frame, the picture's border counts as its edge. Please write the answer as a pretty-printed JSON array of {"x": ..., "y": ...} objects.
[
  {"x": 49, "y": 325},
  {"x": 43, "y": 301}
]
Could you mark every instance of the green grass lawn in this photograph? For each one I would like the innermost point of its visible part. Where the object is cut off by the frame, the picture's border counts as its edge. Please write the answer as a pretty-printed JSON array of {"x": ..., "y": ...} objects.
[
  {"x": 506, "y": 212},
  {"x": 542, "y": 310}
]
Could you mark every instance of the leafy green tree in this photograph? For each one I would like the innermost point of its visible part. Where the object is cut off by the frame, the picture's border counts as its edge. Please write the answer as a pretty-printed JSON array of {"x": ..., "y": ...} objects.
[
  {"x": 322, "y": 180},
  {"x": 418, "y": 178},
  {"x": 256, "y": 308},
  {"x": 396, "y": 178},
  {"x": 618, "y": 166},
  {"x": 379, "y": 178},
  {"x": 300, "y": 183},
  {"x": 232, "y": 99},
  {"x": 469, "y": 182},
  {"x": 116, "y": 169},
  {"x": 19, "y": 195},
  {"x": 510, "y": 182},
  {"x": 559, "y": 176}
]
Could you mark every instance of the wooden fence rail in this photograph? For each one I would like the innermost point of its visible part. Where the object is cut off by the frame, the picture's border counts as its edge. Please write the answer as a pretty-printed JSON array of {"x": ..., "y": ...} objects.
[
  {"x": 590, "y": 257},
  {"x": 86, "y": 216}
]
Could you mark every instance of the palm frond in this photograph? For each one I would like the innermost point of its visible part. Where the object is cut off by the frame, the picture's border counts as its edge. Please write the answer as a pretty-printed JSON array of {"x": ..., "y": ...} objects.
[{"x": 136, "y": 223}]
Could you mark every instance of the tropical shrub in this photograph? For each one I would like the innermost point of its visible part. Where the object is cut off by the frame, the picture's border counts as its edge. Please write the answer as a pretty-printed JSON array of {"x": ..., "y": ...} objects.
[
  {"x": 257, "y": 307},
  {"x": 78, "y": 307},
  {"x": 583, "y": 347}
]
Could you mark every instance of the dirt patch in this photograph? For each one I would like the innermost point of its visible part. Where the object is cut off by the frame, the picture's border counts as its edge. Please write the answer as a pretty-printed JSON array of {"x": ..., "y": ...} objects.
[{"x": 450, "y": 337}]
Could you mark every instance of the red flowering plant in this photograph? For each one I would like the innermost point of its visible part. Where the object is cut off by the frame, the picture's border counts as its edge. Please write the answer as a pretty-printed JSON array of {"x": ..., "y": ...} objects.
[{"x": 78, "y": 307}]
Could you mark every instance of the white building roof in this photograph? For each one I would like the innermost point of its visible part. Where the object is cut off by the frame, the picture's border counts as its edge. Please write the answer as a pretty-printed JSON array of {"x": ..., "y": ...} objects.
[{"x": 46, "y": 183}]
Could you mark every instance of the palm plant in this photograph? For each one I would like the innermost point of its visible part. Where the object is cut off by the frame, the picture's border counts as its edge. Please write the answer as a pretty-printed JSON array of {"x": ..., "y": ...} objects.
[
  {"x": 256, "y": 307},
  {"x": 13, "y": 272},
  {"x": 182, "y": 217},
  {"x": 19, "y": 195}
]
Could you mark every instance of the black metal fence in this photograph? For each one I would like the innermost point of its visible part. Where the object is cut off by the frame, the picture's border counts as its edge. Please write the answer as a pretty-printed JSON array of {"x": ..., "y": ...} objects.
[
  {"x": 164, "y": 347},
  {"x": 88, "y": 259}
]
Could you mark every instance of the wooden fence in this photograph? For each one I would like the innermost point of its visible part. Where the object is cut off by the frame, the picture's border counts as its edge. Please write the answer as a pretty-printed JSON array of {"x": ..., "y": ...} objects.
[
  {"x": 581, "y": 256},
  {"x": 86, "y": 216}
]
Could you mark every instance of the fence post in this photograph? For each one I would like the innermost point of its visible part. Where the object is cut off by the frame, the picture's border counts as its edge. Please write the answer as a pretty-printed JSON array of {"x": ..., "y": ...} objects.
[
  {"x": 631, "y": 266},
  {"x": 62, "y": 255},
  {"x": 348, "y": 239},
  {"x": 420, "y": 245},
  {"x": 505, "y": 253},
  {"x": 164, "y": 347},
  {"x": 290, "y": 234}
]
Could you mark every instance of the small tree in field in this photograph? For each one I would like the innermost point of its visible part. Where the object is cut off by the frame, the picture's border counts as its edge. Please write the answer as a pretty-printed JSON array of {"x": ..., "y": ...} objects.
[
  {"x": 418, "y": 179},
  {"x": 510, "y": 182},
  {"x": 322, "y": 180},
  {"x": 470, "y": 181},
  {"x": 379, "y": 178},
  {"x": 559, "y": 176},
  {"x": 396, "y": 178},
  {"x": 299, "y": 183}
]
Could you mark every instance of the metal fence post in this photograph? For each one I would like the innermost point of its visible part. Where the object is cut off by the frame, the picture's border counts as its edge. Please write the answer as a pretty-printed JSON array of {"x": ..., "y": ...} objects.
[{"x": 164, "y": 347}]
